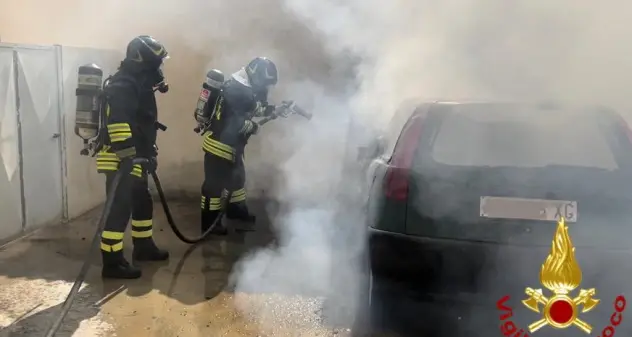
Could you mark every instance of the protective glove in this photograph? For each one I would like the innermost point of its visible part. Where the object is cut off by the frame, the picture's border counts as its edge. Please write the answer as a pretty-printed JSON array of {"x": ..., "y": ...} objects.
[
  {"x": 255, "y": 128},
  {"x": 269, "y": 110},
  {"x": 250, "y": 128},
  {"x": 260, "y": 109},
  {"x": 163, "y": 87}
]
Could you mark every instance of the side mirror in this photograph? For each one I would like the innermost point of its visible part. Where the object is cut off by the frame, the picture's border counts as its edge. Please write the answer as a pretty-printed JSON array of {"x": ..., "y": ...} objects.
[
  {"x": 380, "y": 146},
  {"x": 374, "y": 149}
]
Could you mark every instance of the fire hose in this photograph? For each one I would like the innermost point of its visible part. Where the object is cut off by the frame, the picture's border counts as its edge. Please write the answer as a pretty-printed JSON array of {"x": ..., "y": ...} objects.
[{"x": 96, "y": 239}]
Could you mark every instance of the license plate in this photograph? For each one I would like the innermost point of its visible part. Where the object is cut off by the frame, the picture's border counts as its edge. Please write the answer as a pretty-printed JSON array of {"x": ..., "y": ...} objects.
[{"x": 528, "y": 209}]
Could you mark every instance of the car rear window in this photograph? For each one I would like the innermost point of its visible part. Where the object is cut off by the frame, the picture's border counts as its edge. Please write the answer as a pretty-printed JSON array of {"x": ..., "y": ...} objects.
[
  {"x": 539, "y": 157},
  {"x": 491, "y": 136}
]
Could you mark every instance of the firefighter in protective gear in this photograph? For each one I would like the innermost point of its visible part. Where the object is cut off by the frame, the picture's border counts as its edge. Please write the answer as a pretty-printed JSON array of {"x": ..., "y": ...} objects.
[
  {"x": 131, "y": 118},
  {"x": 244, "y": 96}
]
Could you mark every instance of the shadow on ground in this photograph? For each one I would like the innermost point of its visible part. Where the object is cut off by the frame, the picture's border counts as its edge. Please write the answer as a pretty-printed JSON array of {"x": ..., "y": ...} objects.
[{"x": 37, "y": 272}]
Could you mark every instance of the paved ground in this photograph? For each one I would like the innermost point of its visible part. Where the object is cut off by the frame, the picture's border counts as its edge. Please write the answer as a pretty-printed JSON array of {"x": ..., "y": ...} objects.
[{"x": 188, "y": 296}]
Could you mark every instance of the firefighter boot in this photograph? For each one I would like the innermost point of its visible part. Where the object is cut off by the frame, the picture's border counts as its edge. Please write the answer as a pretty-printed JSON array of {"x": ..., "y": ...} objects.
[
  {"x": 115, "y": 266},
  {"x": 208, "y": 217},
  {"x": 239, "y": 211},
  {"x": 145, "y": 250}
]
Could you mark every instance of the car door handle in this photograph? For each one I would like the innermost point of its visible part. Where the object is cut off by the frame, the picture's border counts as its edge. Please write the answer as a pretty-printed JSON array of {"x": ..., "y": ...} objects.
[{"x": 56, "y": 135}]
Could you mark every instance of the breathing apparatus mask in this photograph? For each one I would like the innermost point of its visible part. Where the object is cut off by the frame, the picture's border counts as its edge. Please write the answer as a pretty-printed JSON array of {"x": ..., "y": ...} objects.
[
  {"x": 150, "y": 75},
  {"x": 158, "y": 80},
  {"x": 261, "y": 93}
]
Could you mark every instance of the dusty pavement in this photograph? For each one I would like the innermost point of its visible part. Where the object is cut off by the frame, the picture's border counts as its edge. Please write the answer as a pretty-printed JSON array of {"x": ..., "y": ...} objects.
[{"x": 188, "y": 296}]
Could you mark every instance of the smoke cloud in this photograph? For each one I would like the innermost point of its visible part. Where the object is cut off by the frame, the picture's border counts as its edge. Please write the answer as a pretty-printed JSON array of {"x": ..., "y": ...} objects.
[{"x": 355, "y": 59}]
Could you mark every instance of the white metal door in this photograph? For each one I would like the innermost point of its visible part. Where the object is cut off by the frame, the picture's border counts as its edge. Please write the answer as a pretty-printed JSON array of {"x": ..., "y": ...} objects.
[
  {"x": 39, "y": 111},
  {"x": 10, "y": 194}
]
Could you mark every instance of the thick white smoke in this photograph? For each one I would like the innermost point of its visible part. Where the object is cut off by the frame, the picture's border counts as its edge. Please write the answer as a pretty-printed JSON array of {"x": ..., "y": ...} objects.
[
  {"x": 570, "y": 50},
  {"x": 537, "y": 50}
]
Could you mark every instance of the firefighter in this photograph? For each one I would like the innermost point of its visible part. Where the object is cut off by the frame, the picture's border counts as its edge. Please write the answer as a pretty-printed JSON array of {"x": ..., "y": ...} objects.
[
  {"x": 131, "y": 114},
  {"x": 244, "y": 96}
]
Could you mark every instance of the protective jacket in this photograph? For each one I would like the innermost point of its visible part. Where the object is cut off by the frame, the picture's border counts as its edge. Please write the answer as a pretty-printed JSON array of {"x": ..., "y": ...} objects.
[
  {"x": 132, "y": 120},
  {"x": 232, "y": 124}
]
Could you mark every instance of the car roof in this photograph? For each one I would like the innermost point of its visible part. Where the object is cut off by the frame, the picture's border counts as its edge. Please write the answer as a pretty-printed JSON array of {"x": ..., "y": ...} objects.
[
  {"x": 423, "y": 107},
  {"x": 414, "y": 107},
  {"x": 553, "y": 105}
]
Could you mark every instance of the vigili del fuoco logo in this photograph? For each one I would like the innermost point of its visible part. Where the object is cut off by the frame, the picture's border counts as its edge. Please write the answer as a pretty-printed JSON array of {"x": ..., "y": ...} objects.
[{"x": 561, "y": 275}]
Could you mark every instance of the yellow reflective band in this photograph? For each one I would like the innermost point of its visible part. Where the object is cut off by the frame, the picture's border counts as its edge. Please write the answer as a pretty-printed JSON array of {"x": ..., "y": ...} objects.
[
  {"x": 108, "y": 160},
  {"x": 142, "y": 234},
  {"x": 117, "y": 138},
  {"x": 137, "y": 172},
  {"x": 112, "y": 235},
  {"x": 203, "y": 202},
  {"x": 237, "y": 198},
  {"x": 119, "y": 127},
  {"x": 142, "y": 223},
  {"x": 219, "y": 145},
  {"x": 119, "y": 132},
  {"x": 215, "y": 204},
  {"x": 107, "y": 155},
  {"x": 218, "y": 108},
  {"x": 208, "y": 138},
  {"x": 238, "y": 195},
  {"x": 218, "y": 153},
  {"x": 210, "y": 148},
  {"x": 239, "y": 192},
  {"x": 111, "y": 248},
  {"x": 107, "y": 166}
]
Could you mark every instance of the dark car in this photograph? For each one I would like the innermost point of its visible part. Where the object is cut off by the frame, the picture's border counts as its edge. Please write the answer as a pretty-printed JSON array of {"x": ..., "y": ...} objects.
[{"x": 463, "y": 206}]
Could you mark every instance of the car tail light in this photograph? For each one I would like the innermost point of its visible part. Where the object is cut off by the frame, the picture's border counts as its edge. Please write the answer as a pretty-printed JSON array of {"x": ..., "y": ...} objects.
[{"x": 396, "y": 183}]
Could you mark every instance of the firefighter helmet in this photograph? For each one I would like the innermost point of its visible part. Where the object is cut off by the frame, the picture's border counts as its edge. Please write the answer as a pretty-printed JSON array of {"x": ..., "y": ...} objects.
[
  {"x": 262, "y": 73},
  {"x": 147, "y": 51}
]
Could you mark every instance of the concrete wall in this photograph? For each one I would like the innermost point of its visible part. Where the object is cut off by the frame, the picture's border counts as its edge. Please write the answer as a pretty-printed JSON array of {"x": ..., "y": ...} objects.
[{"x": 10, "y": 200}]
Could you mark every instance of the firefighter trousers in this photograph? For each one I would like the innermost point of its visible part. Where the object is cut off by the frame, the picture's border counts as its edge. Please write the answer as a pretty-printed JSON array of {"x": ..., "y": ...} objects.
[
  {"x": 132, "y": 197},
  {"x": 220, "y": 175}
]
